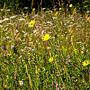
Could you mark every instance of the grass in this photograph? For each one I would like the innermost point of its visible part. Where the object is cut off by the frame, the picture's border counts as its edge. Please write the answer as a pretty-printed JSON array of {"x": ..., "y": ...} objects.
[{"x": 59, "y": 62}]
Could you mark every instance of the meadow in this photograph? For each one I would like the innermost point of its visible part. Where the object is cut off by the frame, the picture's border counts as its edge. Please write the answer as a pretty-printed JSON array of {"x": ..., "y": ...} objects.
[{"x": 45, "y": 51}]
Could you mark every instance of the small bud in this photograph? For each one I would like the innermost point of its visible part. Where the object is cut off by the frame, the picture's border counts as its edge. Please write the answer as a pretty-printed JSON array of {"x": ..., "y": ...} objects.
[{"x": 21, "y": 83}]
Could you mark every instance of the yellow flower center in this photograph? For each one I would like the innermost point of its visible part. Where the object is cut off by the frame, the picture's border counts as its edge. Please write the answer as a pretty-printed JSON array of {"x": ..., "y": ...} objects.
[{"x": 31, "y": 23}]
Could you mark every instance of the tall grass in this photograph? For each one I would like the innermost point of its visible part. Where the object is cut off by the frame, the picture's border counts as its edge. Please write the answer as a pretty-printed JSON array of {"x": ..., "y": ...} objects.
[{"x": 29, "y": 63}]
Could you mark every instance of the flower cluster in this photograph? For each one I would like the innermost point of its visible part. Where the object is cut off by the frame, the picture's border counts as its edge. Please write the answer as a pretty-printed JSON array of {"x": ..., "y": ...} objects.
[{"x": 46, "y": 37}]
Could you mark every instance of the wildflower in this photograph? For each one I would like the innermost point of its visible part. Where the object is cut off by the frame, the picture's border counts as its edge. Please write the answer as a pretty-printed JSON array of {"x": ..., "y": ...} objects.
[
  {"x": 86, "y": 62},
  {"x": 70, "y": 5},
  {"x": 31, "y": 23},
  {"x": 46, "y": 37},
  {"x": 50, "y": 59}
]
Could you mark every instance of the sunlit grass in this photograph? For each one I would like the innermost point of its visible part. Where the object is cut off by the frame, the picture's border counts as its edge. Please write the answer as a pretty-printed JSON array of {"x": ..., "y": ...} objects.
[{"x": 46, "y": 51}]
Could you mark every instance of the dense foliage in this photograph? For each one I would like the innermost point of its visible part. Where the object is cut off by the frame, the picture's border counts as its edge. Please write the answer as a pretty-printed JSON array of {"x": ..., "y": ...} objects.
[
  {"x": 49, "y": 50},
  {"x": 82, "y": 5},
  {"x": 45, "y": 51}
]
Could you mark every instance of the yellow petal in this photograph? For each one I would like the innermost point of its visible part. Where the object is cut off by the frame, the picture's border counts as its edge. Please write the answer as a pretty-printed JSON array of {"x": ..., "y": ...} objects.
[
  {"x": 86, "y": 62},
  {"x": 32, "y": 23},
  {"x": 46, "y": 37}
]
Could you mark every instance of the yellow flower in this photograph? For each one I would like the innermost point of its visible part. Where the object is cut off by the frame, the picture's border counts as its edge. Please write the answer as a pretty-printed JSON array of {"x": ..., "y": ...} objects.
[
  {"x": 31, "y": 23},
  {"x": 50, "y": 59},
  {"x": 70, "y": 5},
  {"x": 86, "y": 62},
  {"x": 46, "y": 37}
]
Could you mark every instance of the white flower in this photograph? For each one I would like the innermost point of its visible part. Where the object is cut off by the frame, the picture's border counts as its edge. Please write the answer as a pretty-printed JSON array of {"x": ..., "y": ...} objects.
[{"x": 21, "y": 83}]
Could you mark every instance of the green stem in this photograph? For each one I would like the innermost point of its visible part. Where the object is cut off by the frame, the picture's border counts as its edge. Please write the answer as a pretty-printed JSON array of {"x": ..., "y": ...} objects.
[{"x": 29, "y": 77}]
